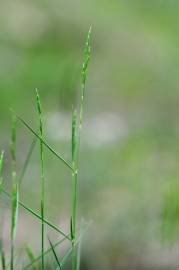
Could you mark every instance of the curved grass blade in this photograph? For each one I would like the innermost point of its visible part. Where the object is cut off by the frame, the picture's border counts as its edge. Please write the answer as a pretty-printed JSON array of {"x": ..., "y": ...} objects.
[{"x": 54, "y": 253}]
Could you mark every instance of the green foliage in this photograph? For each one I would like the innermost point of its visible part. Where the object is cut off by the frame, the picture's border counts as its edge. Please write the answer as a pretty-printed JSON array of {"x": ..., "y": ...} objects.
[{"x": 75, "y": 144}]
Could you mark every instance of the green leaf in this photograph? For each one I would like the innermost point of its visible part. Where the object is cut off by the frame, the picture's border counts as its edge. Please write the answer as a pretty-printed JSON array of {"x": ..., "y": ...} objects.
[
  {"x": 3, "y": 260},
  {"x": 30, "y": 256},
  {"x": 45, "y": 253},
  {"x": 54, "y": 253},
  {"x": 38, "y": 216}
]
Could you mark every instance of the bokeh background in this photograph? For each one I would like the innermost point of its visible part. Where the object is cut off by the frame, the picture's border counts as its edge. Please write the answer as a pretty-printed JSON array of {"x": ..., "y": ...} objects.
[{"x": 129, "y": 173}]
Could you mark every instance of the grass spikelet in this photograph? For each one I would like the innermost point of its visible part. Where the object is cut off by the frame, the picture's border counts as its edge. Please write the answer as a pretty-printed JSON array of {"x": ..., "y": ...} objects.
[
  {"x": 39, "y": 108},
  {"x": 87, "y": 53}
]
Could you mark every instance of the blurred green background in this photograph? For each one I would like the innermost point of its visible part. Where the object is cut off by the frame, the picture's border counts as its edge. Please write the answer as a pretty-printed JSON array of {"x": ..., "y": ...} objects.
[{"x": 129, "y": 176}]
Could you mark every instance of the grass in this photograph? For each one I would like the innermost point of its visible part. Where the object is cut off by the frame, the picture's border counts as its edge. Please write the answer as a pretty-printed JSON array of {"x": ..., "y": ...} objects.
[
  {"x": 75, "y": 235},
  {"x": 42, "y": 176}
]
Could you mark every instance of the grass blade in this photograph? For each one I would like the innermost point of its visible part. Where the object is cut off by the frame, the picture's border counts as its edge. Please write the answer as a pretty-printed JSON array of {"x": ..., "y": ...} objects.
[
  {"x": 14, "y": 220},
  {"x": 44, "y": 142},
  {"x": 3, "y": 260},
  {"x": 45, "y": 253},
  {"x": 1, "y": 162},
  {"x": 54, "y": 253},
  {"x": 30, "y": 256},
  {"x": 70, "y": 251},
  {"x": 14, "y": 214},
  {"x": 38, "y": 216},
  {"x": 1, "y": 168},
  {"x": 39, "y": 108},
  {"x": 32, "y": 146}
]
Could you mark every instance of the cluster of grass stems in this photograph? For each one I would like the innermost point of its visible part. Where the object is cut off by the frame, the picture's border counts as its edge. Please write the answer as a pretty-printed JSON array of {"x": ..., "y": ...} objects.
[{"x": 75, "y": 235}]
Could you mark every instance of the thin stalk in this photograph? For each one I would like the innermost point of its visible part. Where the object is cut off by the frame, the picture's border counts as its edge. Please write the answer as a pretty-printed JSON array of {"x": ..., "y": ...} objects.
[
  {"x": 1, "y": 169},
  {"x": 74, "y": 189},
  {"x": 76, "y": 147},
  {"x": 39, "y": 108},
  {"x": 3, "y": 259},
  {"x": 14, "y": 190}
]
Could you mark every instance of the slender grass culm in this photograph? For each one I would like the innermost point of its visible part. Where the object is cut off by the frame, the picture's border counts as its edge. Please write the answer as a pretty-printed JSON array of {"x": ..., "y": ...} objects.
[
  {"x": 39, "y": 108},
  {"x": 14, "y": 214},
  {"x": 75, "y": 149},
  {"x": 3, "y": 259}
]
